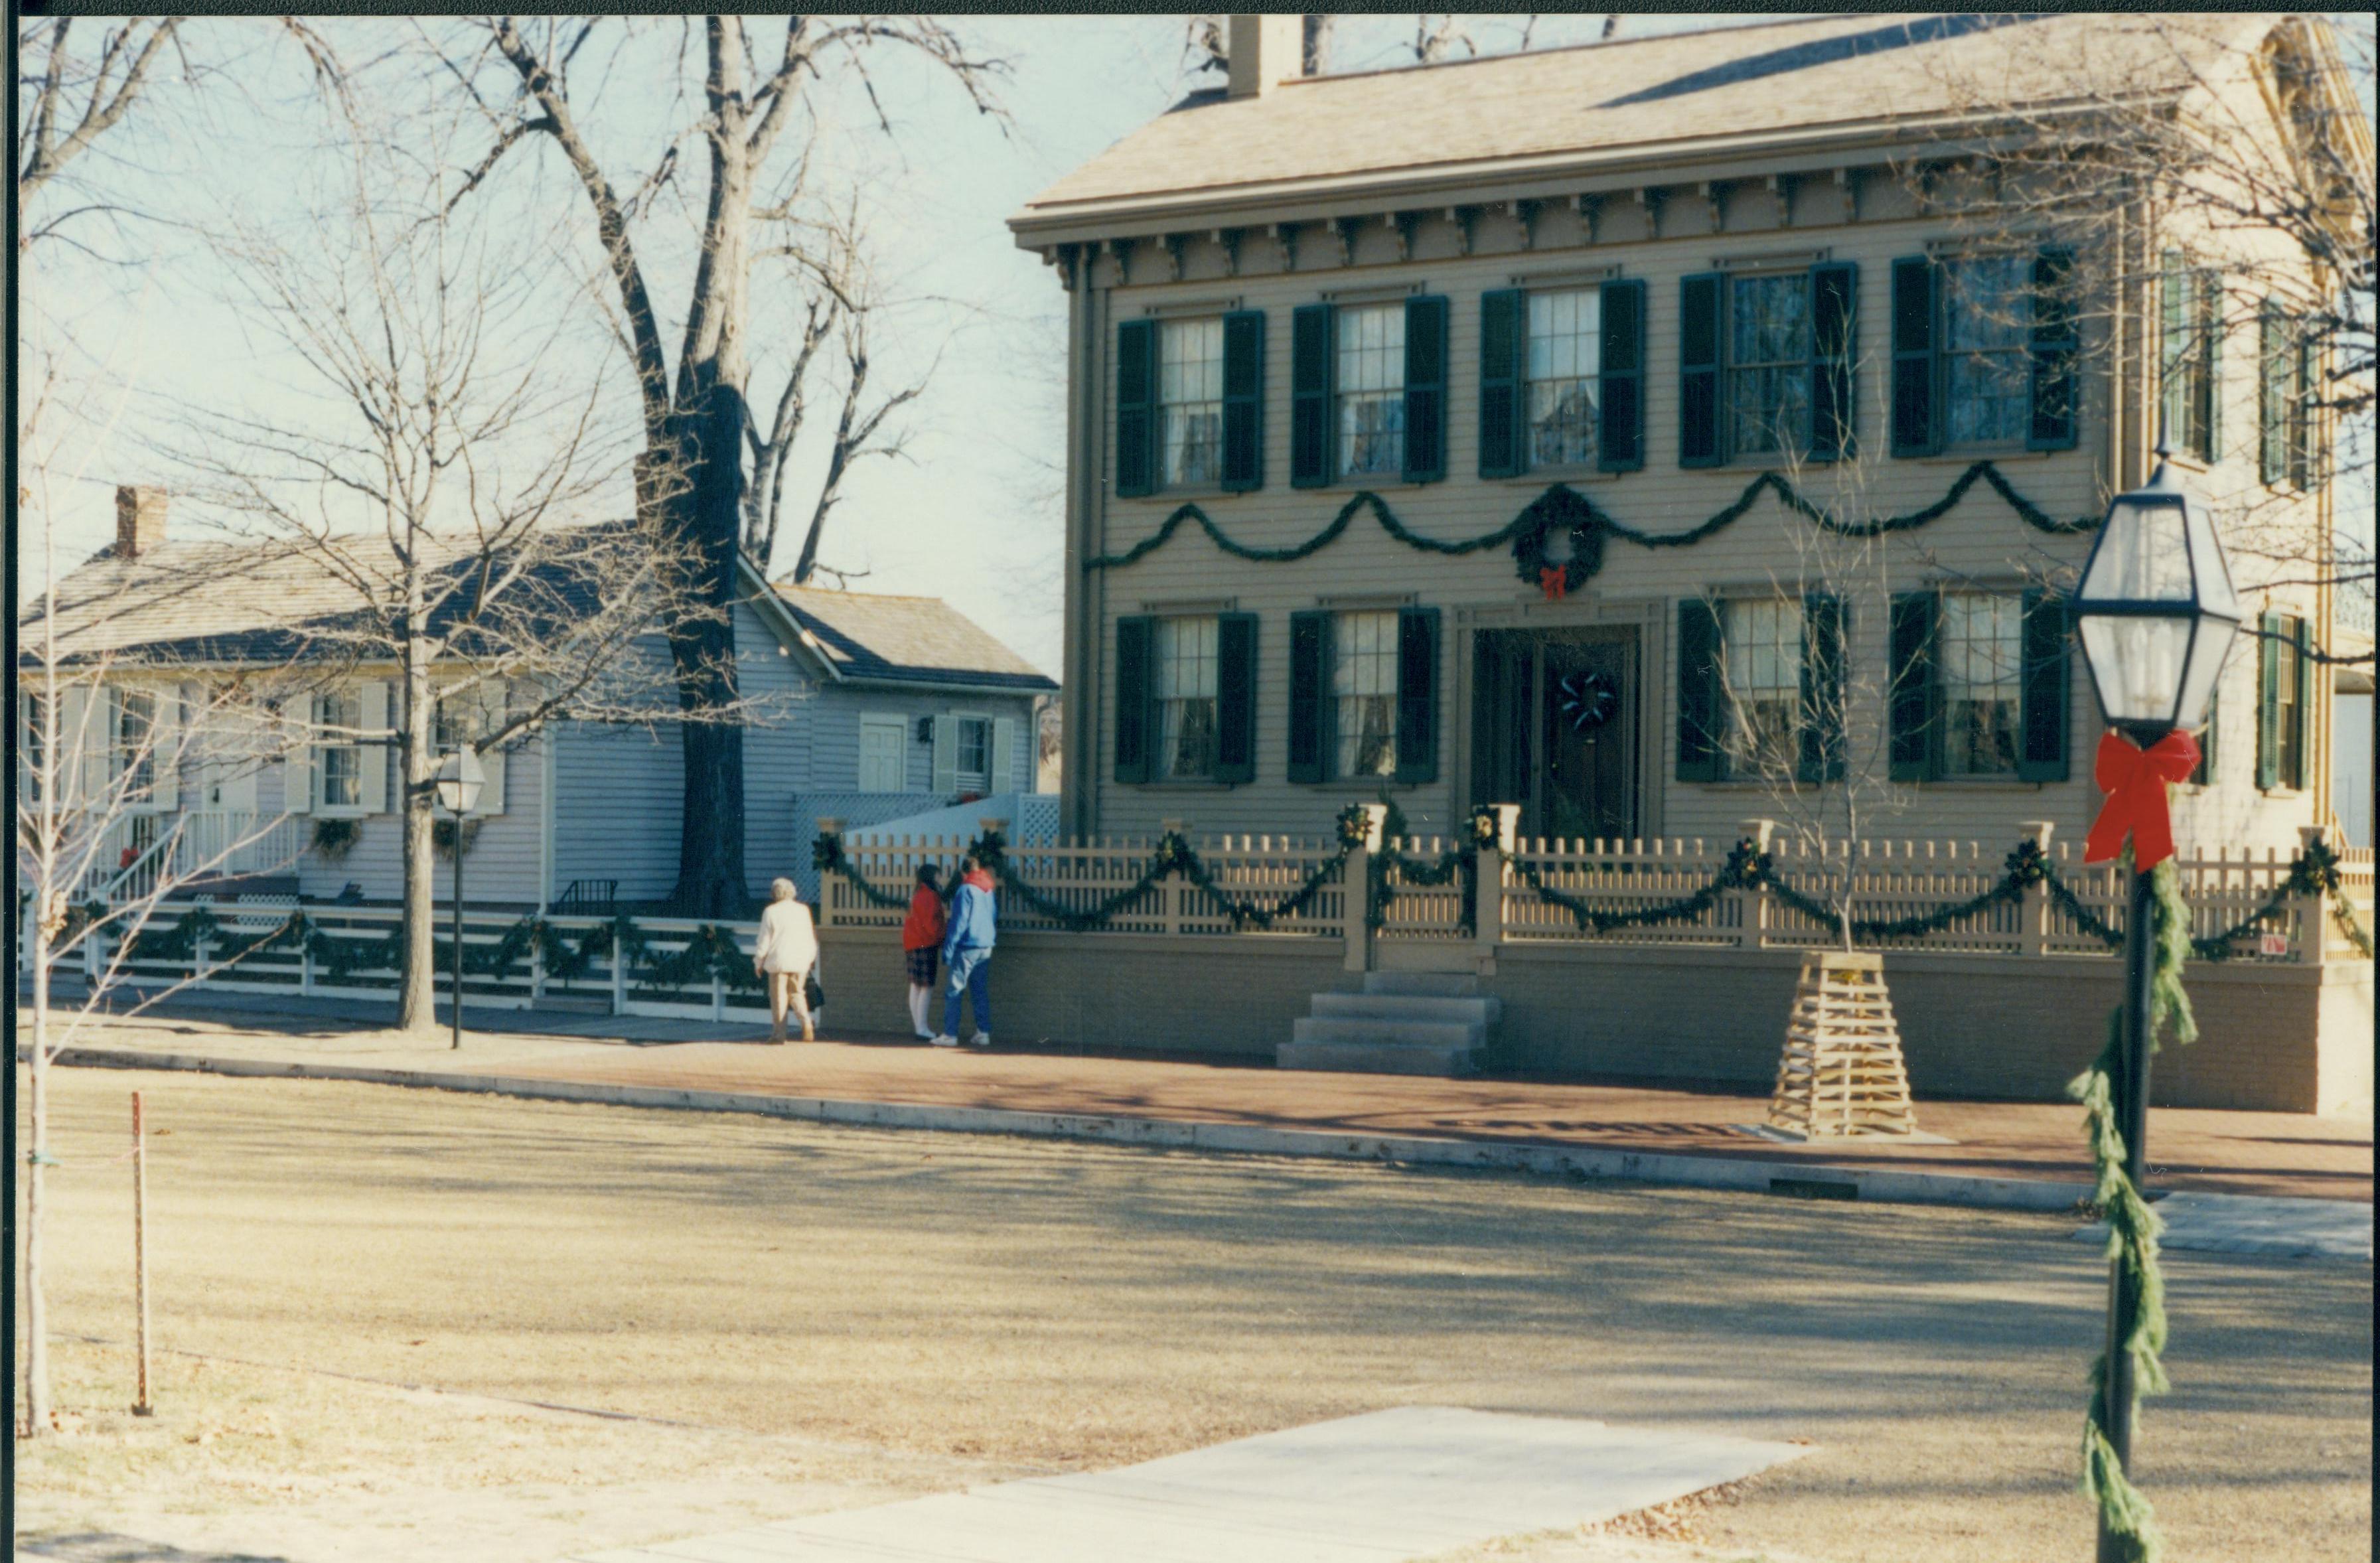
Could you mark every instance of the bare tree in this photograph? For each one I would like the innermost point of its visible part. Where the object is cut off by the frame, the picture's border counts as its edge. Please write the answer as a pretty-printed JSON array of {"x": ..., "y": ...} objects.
[
  {"x": 77, "y": 97},
  {"x": 414, "y": 508},
  {"x": 753, "y": 111}
]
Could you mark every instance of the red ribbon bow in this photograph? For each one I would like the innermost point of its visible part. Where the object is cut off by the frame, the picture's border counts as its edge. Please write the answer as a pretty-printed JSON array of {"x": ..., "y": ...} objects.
[
  {"x": 2135, "y": 779},
  {"x": 1555, "y": 581}
]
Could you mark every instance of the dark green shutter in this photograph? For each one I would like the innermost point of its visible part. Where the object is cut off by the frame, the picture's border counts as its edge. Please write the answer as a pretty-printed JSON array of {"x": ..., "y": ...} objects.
[
  {"x": 2042, "y": 685},
  {"x": 2055, "y": 423},
  {"x": 1619, "y": 407},
  {"x": 1424, "y": 389},
  {"x": 1135, "y": 422},
  {"x": 1417, "y": 695},
  {"x": 1911, "y": 700},
  {"x": 2268, "y": 700},
  {"x": 2173, "y": 352},
  {"x": 1822, "y": 688},
  {"x": 2210, "y": 375},
  {"x": 1702, "y": 715},
  {"x": 2302, "y": 633},
  {"x": 2305, "y": 417},
  {"x": 1916, "y": 413},
  {"x": 1309, "y": 680},
  {"x": 1244, "y": 351},
  {"x": 1699, "y": 363},
  {"x": 2272, "y": 395},
  {"x": 1504, "y": 326},
  {"x": 1834, "y": 349},
  {"x": 1135, "y": 645},
  {"x": 1235, "y": 697},
  {"x": 1309, "y": 397}
]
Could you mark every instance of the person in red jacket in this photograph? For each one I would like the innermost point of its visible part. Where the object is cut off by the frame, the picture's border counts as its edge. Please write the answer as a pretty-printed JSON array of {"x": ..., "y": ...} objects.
[{"x": 921, "y": 945}]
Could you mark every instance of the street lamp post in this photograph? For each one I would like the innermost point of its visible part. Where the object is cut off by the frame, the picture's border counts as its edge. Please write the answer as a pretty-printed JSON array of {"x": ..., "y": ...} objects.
[
  {"x": 2156, "y": 614},
  {"x": 459, "y": 781}
]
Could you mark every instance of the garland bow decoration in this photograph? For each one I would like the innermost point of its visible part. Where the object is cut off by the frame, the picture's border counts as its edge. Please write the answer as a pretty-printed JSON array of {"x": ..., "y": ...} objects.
[{"x": 2134, "y": 780}]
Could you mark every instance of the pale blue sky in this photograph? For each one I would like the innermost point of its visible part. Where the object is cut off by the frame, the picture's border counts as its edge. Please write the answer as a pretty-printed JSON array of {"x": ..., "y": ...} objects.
[{"x": 974, "y": 517}]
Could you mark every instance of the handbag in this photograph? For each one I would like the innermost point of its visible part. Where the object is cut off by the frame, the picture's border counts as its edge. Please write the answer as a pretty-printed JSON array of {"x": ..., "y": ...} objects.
[{"x": 813, "y": 992}]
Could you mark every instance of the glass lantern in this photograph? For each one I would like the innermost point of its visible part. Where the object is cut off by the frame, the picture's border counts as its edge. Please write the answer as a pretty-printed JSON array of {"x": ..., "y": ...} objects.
[
  {"x": 2156, "y": 611},
  {"x": 460, "y": 777}
]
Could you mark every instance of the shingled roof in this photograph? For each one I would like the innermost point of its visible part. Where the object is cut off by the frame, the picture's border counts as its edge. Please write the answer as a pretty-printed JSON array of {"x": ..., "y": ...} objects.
[
  {"x": 1616, "y": 104},
  {"x": 868, "y": 635}
]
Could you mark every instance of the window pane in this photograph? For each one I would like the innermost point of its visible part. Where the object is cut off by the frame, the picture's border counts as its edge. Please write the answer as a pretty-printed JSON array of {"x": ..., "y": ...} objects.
[
  {"x": 1371, "y": 382},
  {"x": 1981, "y": 650},
  {"x": 1190, "y": 400},
  {"x": 1185, "y": 697},
  {"x": 338, "y": 769},
  {"x": 1986, "y": 318},
  {"x": 1769, "y": 365},
  {"x": 1761, "y": 656},
  {"x": 1364, "y": 692},
  {"x": 1564, "y": 356}
]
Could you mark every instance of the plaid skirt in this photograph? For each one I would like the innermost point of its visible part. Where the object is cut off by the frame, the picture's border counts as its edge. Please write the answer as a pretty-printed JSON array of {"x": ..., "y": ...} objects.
[{"x": 923, "y": 965}]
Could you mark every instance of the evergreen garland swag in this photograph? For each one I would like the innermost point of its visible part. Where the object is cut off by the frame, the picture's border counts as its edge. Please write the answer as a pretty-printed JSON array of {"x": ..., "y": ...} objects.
[{"x": 1587, "y": 523}]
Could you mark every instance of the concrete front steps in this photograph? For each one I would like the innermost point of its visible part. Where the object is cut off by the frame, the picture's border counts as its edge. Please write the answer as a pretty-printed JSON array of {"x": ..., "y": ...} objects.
[{"x": 1398, "y": 1022}]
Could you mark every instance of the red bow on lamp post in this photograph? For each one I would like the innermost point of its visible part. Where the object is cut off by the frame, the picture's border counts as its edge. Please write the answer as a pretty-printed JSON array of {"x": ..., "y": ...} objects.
[{"x": 2135, "y": 779}]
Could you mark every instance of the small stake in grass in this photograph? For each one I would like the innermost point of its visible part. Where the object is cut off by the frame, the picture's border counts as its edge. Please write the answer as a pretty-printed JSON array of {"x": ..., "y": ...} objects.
[{"x": 141, "y": 1407}]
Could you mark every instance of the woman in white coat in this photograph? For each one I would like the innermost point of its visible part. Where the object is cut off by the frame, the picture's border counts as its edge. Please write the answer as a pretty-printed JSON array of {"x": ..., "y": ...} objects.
[{"x": 784, "y": 955}]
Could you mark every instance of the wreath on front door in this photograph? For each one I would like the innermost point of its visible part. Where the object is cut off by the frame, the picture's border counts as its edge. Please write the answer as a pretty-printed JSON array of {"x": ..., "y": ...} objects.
[{"x": 1588, "y": 700}]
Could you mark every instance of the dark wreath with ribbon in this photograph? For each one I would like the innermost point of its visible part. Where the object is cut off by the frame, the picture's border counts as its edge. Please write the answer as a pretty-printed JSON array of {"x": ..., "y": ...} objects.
[
  {"x": 1589, "y": 698},
  {"x": 1565, "y": 510}
]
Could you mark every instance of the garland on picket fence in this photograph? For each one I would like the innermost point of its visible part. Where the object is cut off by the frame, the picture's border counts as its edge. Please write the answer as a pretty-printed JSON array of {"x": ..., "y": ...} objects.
[
  {"x": 1563, "y": 508},
  {"x": 2133, "y": 1226}
]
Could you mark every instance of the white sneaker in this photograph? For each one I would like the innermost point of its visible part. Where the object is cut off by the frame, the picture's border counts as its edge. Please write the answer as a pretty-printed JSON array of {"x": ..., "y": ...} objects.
[
  {"x": 981, "y": 1039},
  {"x": 944, "y": 1041},
  {"x": 924, "y": 1037}
]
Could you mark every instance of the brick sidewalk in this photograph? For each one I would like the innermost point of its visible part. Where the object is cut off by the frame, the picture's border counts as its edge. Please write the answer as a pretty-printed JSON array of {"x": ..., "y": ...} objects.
[{"x": 2248, "y": 1153}]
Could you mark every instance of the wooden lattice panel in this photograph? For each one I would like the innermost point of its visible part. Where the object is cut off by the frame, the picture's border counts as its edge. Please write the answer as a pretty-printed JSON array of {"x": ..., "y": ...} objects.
[{"x": 1841, "y": 1071}]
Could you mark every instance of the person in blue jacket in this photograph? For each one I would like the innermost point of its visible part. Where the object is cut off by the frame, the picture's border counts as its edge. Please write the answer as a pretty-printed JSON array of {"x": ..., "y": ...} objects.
[{"x": 967, "y": 939}]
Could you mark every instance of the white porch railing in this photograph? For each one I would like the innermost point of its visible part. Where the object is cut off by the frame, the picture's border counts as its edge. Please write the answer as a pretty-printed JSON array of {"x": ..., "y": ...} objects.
[{"x": 143, "y": 850}]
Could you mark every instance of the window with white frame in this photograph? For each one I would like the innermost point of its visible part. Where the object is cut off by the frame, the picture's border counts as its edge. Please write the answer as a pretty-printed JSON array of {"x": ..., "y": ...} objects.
[
  {"x": 338, "y": 750},
  {"x": 1761, "y": 650},
  {"x": 1565, "y": 358},
  {"x": 1987, "y": 360},
  {"x": 973, "y": 749},
  {"x": 1190, "y": 400},
  {"x": 1981, "y": 654},
  {"x": 1769, "y": 365},
  {"x": 1371, "y": 389},
  {"x": 135, "y": 749},
  {"x": 1184, "y": 683},
  {"x": 1364, "y": 692},
  {"x": 32, "y": 746}
]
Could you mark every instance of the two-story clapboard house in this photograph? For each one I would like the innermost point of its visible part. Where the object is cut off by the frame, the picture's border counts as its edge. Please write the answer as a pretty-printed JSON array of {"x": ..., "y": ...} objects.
[{"x": 1452, "y": 434}]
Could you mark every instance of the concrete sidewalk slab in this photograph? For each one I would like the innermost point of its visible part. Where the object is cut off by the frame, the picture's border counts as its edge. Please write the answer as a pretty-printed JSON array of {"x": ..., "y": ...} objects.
[
  {"x": 2282, "y": 1229},
  {"x": 1380, "y": 1488}
]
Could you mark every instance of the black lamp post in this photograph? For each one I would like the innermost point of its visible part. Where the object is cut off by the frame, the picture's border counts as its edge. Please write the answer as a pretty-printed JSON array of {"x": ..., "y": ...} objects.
[
  {"x": 2156, "y": 614},
  {"x": 459, "y": 781}
]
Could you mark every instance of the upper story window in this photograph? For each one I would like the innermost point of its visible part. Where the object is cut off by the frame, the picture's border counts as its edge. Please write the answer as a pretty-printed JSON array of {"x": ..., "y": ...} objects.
[
  {"x": 1364, "y": 692},
  {"x": 1769, "y": 365},
  {"x": 2287, "y": 401},
  {"x": 1190, "y": 402},
  {"x": 1760, "y": 641},
  {"x": 1565, "y": 359},
  {"x": 1986, "y": 341},
  {"x": 2190, "y": 359},
  {"x": 1370, "y": 389},
  {"x": 1981, "y": 650},
  {"x": 1183, "y": 684},
  {"x": 339, "y": 749}
]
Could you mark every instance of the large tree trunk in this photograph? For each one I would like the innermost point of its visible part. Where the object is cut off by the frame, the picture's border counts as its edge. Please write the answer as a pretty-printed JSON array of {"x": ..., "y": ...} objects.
[
  {"x": 37, "y": 1105},
  {"x": 417, "y": 992},
  {"x": 705, "y": 471}
]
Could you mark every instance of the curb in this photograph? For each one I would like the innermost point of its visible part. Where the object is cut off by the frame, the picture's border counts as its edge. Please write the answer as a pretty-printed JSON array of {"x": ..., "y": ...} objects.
[{"x": 1581, "y": 1162}]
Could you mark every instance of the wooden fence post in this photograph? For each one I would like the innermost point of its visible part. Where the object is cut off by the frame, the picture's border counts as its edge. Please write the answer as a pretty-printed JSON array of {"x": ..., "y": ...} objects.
[
  {"x": 826, "y": 825},
  {"x": 1752, "y": 921},
  {"x": 1488, "y": 894},
  {"x": 1169, "y": 890},
  {"x": 2313, "y": 911},
  {"x": 619, "y": 974},
  {"x": 2032, "y": 926},
  {"x": 1358, "y": 903},
  {"x": 141, "y": 1406}
]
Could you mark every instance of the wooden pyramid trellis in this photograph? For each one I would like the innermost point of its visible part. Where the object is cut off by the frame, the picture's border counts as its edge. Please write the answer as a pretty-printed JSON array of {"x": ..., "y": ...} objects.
[{"x": 1841, "y": 1072}]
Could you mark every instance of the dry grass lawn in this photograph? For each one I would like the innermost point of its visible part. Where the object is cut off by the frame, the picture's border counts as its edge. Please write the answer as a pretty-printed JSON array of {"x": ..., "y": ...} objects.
[{"x": 809, "y": 1317}]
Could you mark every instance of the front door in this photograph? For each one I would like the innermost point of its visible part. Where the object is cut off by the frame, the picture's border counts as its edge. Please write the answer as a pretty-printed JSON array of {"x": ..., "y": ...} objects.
[{"x": 1554, "y": 716}]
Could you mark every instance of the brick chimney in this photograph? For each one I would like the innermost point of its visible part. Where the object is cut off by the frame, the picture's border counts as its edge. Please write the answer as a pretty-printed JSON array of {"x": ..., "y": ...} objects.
[
  {"x": 1266, "y": 50},
  {"x": 140, "y": 520}
]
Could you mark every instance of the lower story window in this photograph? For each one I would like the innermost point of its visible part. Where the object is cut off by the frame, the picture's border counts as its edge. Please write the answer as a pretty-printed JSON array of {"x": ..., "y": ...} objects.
[
  {"x": 975, "y": 754},
  {"x": 135, "y": 755},
  {"x": 2288, "y": 714},
  {"x": 1761, "y": 652},
  {"x": 338, "y": 769},
  {"x": 1184, "y": 685},
  {"x": 1364, "y": 692},
  {"x": 1982, "y": 650}
]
